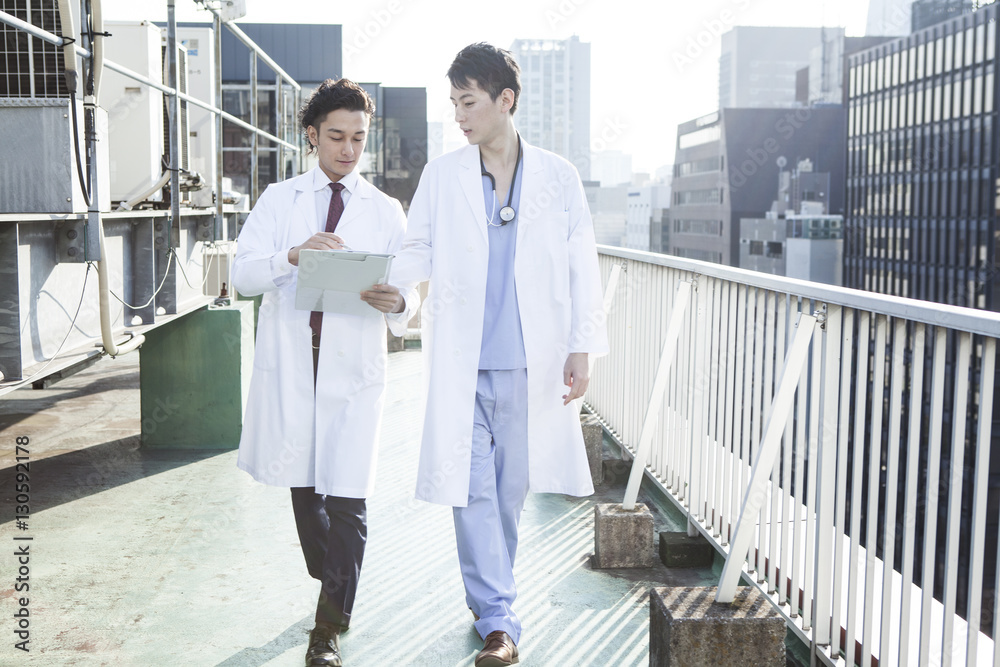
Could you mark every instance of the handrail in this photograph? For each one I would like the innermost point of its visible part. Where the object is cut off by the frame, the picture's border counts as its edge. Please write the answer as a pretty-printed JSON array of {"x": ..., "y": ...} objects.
[
  {"x": 193, "y": 100},
  {"x": 791, "y": 448},
  {"x": 41, "y": 34},
  {"x": 975, "y": 321},
  {"x": 242, "y": 36},
  {"x": 59, "y": 41}
]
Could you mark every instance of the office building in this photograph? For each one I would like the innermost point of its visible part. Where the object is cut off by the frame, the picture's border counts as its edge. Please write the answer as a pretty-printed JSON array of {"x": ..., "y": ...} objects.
[
  {"x": 398, "y": 143},
  {"x": 554, "y": 108},
  {"x": 727, "y": 166},
  {"x": 921, "y": 217},
  {"x": 797, "y": 238},
  {"x": 758, "y": 65},
  {"x": 609, "y": 210},
  {"x": 311, "y": 53},
  {"x": 308, "y": 53},
  {"x": 823, "y": 81},
  {"x": 888, "y": 17},
  {"x": 646, "y": 209},
  {"x": 925, "y": 13}
]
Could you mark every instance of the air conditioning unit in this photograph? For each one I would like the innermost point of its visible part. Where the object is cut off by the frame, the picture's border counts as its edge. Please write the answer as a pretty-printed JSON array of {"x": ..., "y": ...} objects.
[
  {"x": 35, "y": 114},
  {"x": 201, "y": 137},
  {"x": 40, "y": 174},
  {"x": 135, "y": 110}
]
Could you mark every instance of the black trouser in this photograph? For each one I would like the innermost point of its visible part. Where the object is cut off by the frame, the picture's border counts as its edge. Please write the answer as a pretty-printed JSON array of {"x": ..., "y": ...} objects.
[{"x": 332, "y": 532}]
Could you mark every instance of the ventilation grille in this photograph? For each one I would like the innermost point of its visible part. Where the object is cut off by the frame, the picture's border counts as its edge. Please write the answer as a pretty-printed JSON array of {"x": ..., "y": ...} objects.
[{"x": 30, "y": 67}]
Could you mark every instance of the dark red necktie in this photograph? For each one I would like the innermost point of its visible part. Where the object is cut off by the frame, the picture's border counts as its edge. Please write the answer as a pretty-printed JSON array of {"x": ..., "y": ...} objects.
[{"x": 332, "y": 218}]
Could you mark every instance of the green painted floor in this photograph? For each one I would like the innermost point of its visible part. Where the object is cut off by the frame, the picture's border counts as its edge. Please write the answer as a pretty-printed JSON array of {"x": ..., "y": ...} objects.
[{"x": 144, "y": 557}]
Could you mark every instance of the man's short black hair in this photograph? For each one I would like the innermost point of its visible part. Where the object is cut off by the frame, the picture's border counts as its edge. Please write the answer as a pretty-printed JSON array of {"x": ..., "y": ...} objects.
[
  {"x": 330, "y": 96},
  {"x": 492, "y": 68}
]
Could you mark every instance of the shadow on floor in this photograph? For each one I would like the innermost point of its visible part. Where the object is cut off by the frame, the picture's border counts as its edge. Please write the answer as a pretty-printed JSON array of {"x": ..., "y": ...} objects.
[
  {"x": 84, "y": 472},
  {"x": 261, "y": 655}
]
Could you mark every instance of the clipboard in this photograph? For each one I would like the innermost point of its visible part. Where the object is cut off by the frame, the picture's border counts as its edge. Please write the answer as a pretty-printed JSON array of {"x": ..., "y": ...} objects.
[{"x": 332, "y": 280}]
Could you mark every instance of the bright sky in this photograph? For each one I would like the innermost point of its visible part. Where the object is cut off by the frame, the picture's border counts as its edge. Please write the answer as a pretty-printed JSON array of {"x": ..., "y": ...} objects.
[{"x": 654, "y": 63}]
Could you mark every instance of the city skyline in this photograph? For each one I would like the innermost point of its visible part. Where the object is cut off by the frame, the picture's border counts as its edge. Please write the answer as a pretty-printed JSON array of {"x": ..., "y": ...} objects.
[{"x": 399, "y": 43}]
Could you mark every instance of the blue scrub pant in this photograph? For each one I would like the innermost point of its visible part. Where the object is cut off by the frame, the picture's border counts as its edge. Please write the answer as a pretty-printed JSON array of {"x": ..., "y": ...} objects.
[{"x": 486, "y": 530}]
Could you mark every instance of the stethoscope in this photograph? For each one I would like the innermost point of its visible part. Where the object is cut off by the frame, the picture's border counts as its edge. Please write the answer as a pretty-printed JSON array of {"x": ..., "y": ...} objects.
[{"x": 507, "y": 213}]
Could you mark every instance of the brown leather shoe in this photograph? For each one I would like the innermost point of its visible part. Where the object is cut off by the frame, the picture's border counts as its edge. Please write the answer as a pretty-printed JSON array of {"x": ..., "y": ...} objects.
[{"x": 498, "y": 650}]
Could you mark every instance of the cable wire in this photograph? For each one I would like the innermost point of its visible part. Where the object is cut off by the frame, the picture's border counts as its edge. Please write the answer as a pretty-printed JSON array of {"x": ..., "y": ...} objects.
[
  {"x": 207, "y": 274},
  {"x": 166, "y": 273},
  {"x": 72, "y": 325}
]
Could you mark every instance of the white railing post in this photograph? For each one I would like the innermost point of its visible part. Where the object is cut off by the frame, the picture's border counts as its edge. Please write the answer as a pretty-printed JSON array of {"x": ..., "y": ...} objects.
[
  {"x": 826, "y": 459},
  {"x": 766, "y": 454},
  {"x": 612, "y": 288},
  {"x": 667, "y": 355}
]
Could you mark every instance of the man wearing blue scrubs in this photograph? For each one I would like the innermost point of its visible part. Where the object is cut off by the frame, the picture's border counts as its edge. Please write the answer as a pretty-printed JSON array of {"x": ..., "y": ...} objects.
[{"x": 514, "y": 307}]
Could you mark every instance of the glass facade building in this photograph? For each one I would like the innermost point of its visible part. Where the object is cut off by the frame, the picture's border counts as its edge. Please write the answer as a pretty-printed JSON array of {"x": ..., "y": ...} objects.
[{"x": 922, "y": 152}]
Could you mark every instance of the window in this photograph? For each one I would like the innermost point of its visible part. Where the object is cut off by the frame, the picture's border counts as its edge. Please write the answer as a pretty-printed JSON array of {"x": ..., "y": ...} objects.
[
  {"x": 756, "y": 247},
  {"x": 698, "y": 166},
  {"x": 709, "y": 196},
  {"x": 702, "y": 227},
  {"x": 773, "y": 249},
  {"x": 699, "y": 137}
]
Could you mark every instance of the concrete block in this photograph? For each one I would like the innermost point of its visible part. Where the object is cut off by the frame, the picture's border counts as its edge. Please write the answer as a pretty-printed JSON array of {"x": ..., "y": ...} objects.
[
  {"x": 623, "y": 538},
  {"x": 194, "y": 379},
  {"x": 687, "y": 628},
  {"x": 395, "y": 343},
  {"x": 680, "y": 550},
  {"x": 593, "y": 439}
]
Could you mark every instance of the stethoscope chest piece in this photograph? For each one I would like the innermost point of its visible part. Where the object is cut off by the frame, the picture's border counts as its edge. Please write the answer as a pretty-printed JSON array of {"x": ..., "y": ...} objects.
[{"x": 507, "y": 213}]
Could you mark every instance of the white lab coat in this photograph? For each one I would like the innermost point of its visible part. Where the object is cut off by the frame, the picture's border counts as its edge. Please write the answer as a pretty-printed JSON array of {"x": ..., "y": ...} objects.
[
  {"x": 559, "y": 298},
  {"x": 291, "y": 437}
]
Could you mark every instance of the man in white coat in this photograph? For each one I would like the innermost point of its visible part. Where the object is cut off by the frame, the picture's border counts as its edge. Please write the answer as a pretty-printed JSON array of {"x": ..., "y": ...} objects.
[
  {"x": 513, "y": 310},
  {"x": 316, "y": 393}
]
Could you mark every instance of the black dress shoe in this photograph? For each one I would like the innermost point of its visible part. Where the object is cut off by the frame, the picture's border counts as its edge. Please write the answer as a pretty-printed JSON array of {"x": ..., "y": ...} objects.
[{"x": 324, "y": 647}]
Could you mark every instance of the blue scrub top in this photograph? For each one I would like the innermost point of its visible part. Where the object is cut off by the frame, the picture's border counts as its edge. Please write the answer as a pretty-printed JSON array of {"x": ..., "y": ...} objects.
[{"x": 503, "y": 342}]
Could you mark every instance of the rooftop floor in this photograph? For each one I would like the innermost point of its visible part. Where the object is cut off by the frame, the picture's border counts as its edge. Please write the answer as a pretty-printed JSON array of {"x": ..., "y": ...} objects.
[{"x": 143, "y": 557}]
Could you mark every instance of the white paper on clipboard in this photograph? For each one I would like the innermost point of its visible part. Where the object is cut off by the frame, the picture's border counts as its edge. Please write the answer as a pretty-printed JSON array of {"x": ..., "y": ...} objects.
[{"x": 332, "y": 280}]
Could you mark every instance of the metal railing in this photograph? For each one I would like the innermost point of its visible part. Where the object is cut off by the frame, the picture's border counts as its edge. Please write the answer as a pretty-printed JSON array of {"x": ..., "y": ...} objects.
[
  {"x": 834, "y": 444},
  {"x": 94, "y": 229}
]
